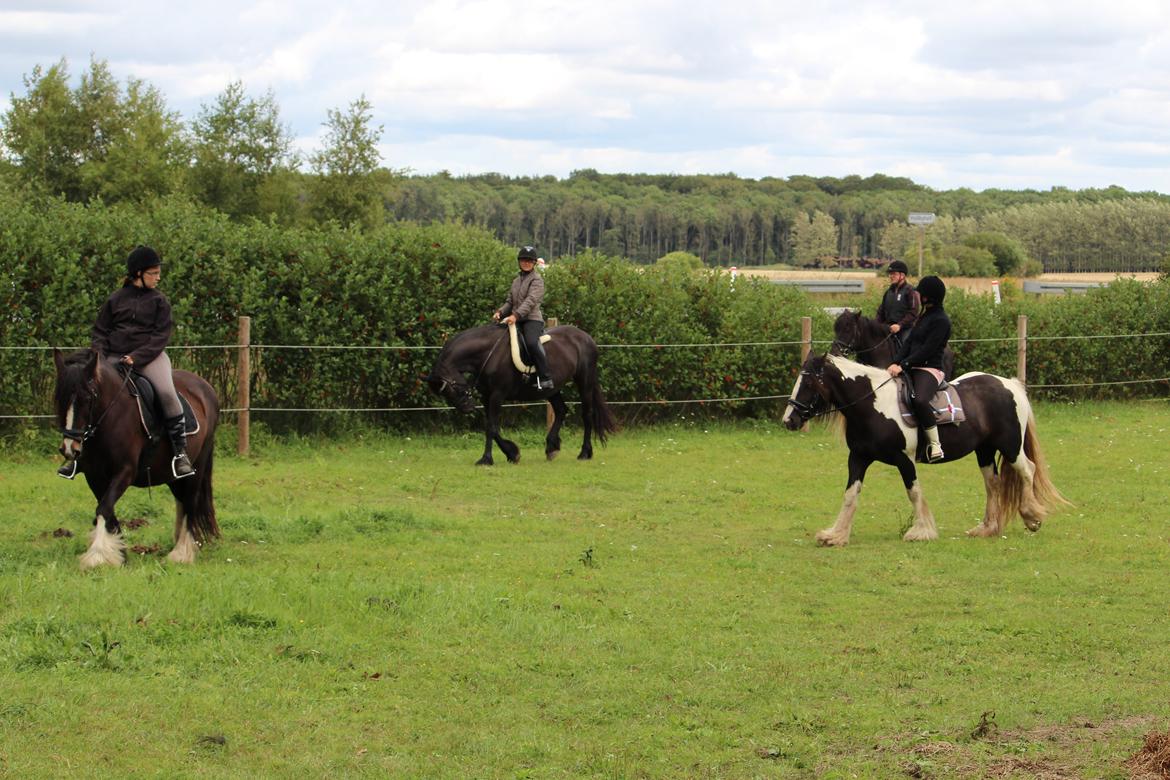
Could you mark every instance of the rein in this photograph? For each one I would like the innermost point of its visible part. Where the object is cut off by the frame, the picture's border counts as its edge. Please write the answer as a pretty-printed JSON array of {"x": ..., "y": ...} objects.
[
  {"x": 807, "y": 409},
  {"x": 89, "y": 430},
  {"x": 859, "y": 350},
  {"x": 446, "y": 383}
]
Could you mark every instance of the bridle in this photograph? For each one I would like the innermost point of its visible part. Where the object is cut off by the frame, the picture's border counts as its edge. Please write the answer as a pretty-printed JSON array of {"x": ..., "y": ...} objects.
[
  {"x": 808, "y": 411},
  {"x": 463, "y": 389},
  {"x": 91, "y": 390},
  {"x": 851, "y": 346}
]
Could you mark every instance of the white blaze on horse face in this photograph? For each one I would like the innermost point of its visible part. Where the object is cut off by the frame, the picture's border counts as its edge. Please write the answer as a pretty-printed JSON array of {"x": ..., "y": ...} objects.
[
  {"x": 71, "y": 448},
  {"x": 788, "y": 409}
]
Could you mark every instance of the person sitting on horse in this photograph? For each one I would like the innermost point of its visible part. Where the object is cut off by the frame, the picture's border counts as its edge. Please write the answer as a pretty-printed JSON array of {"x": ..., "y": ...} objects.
[
  {"x": 523, "y": 308},
  {"x": 900, "y": 304},
  {"x": 135, "y": 323},
  {"x": 922, "y": 351}
]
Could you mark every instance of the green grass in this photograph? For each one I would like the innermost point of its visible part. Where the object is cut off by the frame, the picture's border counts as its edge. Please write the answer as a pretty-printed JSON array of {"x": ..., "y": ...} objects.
[{"x": 380, "y": 607}]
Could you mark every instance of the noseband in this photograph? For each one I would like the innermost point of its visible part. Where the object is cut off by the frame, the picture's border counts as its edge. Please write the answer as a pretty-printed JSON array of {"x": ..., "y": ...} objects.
[
  {"x": 91, "y": 390},
  {"x": 808, "y": 410}
]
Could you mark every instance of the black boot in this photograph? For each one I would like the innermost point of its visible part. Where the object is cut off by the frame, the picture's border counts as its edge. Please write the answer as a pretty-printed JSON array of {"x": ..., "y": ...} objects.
[
  {"x": 180, "y": 464},
  {"x": 68, "y": 469}
]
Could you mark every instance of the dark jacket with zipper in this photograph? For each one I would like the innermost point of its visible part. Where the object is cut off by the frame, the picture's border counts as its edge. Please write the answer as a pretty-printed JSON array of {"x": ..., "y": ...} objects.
[
  {"x": 900, "y": 306},
  {"x": 134, "y": 321},
  {"x": 929, "y": 337}
]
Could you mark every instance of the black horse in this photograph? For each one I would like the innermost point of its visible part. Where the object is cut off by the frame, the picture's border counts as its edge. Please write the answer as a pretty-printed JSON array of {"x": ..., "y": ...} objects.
[
  {"x": 480, "y": 360},
  {"x": 999, "y": 421},
  {"x": 872, "y": 342},
  {"x": 103, "y": 432}
]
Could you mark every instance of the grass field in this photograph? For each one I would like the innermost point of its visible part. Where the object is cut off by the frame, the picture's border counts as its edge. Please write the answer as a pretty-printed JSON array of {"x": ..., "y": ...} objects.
[{"x": 380, "y": 607}]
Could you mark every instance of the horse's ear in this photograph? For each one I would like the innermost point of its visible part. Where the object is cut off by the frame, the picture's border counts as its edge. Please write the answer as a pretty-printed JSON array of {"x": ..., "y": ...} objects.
[
  {"x": 58, "y": 360},
  {"x": 91, "y": 365}
]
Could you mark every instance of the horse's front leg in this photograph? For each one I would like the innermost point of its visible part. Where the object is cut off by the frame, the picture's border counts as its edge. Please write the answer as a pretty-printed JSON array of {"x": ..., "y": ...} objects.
[
  {"x": 490, "y": 422},
  {"x": 106, "y": 545},
  {"x": 552, "y": 442},
  {"x": 838, "y": 534},
  {"x": 923, "y": 529}
]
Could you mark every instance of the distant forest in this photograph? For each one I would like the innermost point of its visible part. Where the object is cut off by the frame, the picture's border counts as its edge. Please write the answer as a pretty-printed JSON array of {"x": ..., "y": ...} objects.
[{"x": 102, "y": 141}]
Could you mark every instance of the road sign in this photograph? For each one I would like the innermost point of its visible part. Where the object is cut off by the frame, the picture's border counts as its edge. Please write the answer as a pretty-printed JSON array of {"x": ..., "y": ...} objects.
[{"x": 921, "y": 218}]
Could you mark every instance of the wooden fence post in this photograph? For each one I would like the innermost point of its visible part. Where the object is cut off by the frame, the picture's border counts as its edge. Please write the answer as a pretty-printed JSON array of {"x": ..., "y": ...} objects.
[
  {"x": 549, "y": 414},
  {"x": 1022, "y": 348},
  {"x": 244, "y": 384},
  {"x": 805, "y": 348}
]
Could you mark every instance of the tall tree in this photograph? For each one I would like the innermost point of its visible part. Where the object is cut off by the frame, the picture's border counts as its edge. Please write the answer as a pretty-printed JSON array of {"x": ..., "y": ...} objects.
[
  {"x": 42, "y": 135},
  {"x": 97, "y": 140},
  {"x": 239, "y": 142},
  {"x": 345, "y": 189}
]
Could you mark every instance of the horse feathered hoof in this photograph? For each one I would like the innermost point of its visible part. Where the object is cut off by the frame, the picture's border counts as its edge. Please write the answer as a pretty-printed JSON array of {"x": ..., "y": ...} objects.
[
  {"x": 825, "y": 539},
  {"x": 552, "y": 454},
  {"x": 485, "y": 461}
]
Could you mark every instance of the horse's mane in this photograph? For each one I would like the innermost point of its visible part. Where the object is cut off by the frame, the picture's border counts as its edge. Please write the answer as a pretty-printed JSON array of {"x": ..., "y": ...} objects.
[
  {"x": 72, "y": 375},
  {"x": 873, "y": 372}
]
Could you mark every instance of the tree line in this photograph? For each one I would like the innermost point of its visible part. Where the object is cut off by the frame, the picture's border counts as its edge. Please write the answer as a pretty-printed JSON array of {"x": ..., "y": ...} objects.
[{"x": 118, "y": 142}]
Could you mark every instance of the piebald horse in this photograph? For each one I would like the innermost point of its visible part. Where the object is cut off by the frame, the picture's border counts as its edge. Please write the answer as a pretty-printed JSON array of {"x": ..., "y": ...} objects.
[{"x": 999, "y": 423}]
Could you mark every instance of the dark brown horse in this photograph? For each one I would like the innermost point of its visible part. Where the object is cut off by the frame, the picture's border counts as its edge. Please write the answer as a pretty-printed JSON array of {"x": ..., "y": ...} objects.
[
  {"x": 872, "y": 343},
  {"x": 103, "y": 433},
  {"x": 479, "y": 361}
]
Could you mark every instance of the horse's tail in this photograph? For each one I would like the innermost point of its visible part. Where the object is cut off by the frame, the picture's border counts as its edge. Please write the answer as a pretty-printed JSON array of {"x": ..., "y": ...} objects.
[
  {"x": 1014, "y": 498},
  {"x": 201, "y": 512},
  {"x": 604, "y": 422}
]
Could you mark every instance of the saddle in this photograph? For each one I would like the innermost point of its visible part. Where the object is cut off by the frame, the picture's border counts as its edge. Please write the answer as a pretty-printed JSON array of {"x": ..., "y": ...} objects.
[
  {"x": 945, "y": 403},
  {"x": 518, "y": 347},
  {"x": 150, "y": 412}
]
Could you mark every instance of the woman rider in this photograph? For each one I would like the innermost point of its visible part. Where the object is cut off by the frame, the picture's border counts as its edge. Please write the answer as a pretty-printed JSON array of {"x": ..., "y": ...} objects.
[
  {"x": 923, "y": 352},
  {"x": 523, "y": 307},
  {"x": 135, "y": 324}
]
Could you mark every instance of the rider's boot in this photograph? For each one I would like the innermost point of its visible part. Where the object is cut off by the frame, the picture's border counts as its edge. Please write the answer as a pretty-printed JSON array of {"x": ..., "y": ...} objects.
[
  {"x": 181, "y": 463},
  {"x": 543, "y": 376},
  {"x": 934, "y": 450},
  {"x": 68, "y": 469}
]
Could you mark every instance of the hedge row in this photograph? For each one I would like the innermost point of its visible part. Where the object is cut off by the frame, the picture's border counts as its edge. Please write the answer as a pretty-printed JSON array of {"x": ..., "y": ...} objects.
[{"x": 409, "y": 285}]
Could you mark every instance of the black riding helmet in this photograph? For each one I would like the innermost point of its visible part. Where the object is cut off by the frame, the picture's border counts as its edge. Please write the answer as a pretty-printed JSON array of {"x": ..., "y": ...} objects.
[
  {"x": 898, "y": 266},
  {"x": 932, "y": 289},
  {"x": 526, "y": 253},
  {"x": 140, "y": 258}
]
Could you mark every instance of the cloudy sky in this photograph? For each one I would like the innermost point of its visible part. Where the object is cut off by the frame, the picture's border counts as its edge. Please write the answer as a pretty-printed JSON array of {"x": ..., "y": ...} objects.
[{"x": 996, "y": 93}]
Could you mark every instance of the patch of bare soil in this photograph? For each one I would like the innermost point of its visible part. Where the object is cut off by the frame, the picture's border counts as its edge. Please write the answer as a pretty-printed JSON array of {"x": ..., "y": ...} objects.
[
  {"x": 1152, "y": 762},
  {"x": 1053, "y": 752},
  {"x": 973, "y": 284}
]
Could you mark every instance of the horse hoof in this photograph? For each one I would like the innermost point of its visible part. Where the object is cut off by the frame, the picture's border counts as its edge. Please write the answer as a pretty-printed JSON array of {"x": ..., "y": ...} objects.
[
  {"x": 982, "y": 532},
  {"x": 828, "y": 540},
  {"x": 514, "y": 460},
  {"x": 585, "y": 456},
  {"x": 484, "y": 462},
  {"x": 552, "y": 454}
]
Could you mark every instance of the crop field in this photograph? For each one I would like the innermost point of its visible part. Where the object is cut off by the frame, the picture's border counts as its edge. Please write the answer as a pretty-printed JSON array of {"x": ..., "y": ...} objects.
[{"x": 380, "y": 607}]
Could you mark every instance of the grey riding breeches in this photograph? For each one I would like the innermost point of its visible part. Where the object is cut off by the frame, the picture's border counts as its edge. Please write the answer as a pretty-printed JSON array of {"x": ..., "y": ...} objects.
[{"x": 158, "y": 371}]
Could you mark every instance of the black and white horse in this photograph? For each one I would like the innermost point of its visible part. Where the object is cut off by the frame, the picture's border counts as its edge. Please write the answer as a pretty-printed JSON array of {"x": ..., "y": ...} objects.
[{"x": 999, "y": 422}]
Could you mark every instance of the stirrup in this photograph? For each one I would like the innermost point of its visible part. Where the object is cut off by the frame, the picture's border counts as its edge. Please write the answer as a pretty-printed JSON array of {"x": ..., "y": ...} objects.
[
  {"x": 544, "y": 384},
  {"x": 181, "y": 466},
  {"x": 934, "y": 453},
  {"x": 68, "y": 469}
]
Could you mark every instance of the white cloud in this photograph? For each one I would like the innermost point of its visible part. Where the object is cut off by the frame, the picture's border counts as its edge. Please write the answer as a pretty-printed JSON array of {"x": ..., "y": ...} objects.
[{"x": 988, "y": 93}]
